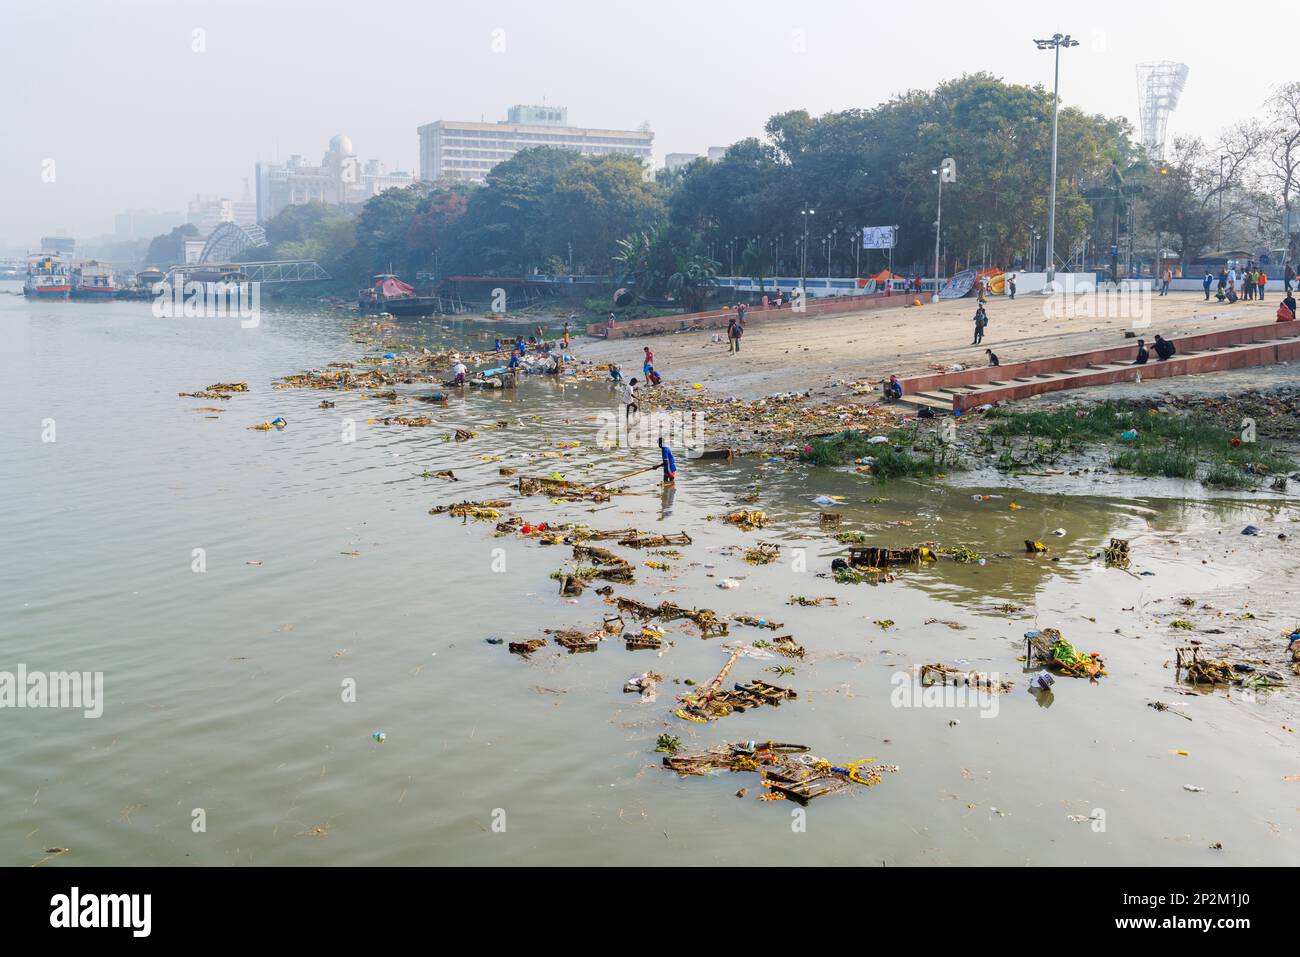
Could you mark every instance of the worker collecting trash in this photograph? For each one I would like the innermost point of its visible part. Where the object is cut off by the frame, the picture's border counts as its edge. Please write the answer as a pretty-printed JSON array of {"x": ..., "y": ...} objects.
[{"x": 670, "y": 464}]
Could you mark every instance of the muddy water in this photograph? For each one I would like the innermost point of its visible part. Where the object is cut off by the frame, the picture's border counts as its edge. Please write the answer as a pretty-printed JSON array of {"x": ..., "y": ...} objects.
[{"x": 224, "y": 688}]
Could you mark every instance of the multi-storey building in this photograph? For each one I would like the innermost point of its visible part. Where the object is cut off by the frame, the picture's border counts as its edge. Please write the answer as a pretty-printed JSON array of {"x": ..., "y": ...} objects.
[{"x": 454, "y": 151}]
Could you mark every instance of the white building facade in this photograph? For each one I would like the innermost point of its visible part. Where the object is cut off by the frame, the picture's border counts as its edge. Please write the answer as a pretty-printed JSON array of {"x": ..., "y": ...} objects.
[{"x": 462, "y": 152}]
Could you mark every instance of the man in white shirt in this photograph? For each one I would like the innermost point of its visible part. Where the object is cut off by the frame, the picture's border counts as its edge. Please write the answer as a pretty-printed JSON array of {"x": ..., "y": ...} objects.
[
  {"x": 629, "y": 399},
  {"x": 459, "y": 371}
]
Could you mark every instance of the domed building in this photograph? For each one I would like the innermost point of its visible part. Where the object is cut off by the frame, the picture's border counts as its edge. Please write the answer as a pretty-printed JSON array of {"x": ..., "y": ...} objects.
[
  {"x": 340, "y": 179},
  {"x": 342, "y": 144}
]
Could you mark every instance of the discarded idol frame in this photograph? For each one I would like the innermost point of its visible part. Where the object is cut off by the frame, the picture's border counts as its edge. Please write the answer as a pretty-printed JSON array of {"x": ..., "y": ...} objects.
[
  {"x": 713, "y": 703},
  {"x": 947, "y": 675},
  {"x": 218, "y": 390},
  {"x": 575, "y": 640},
  {"x": 746, "y": 519},
  {"x": 647, "y": 639},
  {"x": 786, "y": 645},
  {"x": 704, "y": 618},
  {"x": 788, "y": 771},
  {"x": 1117, "y": 553},
  {"x": 756, "y": 622},
  {"x": 881, "y": 557},
  {"x": 526, "y": 647},
  {"x": 650, "y": 540},
  {"x": 1050, "y": 648},
  {"x": 1203, "y": 670},
  {"x": 763, "y": 553},
  {"x": 486, "y": 511},
  {"x": 562, "y": 488}
]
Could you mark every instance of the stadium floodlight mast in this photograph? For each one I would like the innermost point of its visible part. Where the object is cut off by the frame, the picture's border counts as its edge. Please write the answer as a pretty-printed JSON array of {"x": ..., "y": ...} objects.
[{"x": 1057, "y": 41}]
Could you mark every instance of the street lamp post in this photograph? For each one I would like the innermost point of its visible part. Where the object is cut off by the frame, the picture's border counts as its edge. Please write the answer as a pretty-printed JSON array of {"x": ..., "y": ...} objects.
[
  {"x": 1220, "y": 232},
  {"x": 1055, "y": 43},
  {"x": 803, "y": 260},
  {"x": 938, "y": 224}
]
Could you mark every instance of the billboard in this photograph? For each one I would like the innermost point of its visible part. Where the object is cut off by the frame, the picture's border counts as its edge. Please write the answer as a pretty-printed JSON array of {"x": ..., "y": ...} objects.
[{"x": 878, "y": 237}]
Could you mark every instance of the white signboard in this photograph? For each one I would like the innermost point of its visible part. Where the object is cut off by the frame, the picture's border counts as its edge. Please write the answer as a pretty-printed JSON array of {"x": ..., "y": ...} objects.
[{"x": 877, "y": 237}]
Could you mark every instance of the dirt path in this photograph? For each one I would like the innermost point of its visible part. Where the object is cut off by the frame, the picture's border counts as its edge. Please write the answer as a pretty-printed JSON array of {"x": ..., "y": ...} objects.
[{"x": 812, "y": 353}]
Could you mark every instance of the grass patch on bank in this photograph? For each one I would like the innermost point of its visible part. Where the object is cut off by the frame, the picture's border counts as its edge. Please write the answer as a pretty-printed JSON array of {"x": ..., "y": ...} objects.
[
  {"x": 907, "y": 454},
  {"x": 1170, "y": 445},
  {"x": 1155, "y": 462}
]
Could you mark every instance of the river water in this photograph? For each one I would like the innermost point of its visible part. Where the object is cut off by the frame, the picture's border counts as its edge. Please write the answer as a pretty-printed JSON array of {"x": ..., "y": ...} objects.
[{"x": 224, "y": 689}]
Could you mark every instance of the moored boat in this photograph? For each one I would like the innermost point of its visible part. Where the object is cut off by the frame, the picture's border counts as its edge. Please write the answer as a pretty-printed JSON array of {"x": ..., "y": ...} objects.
[
  {"x": 390, "y": 295},
  {"x": 47, "y": 277},
  {"x": 93, "y": 280}
]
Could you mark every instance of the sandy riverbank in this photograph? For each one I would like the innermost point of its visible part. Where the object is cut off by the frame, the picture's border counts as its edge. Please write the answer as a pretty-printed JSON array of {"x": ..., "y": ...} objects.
[{"x": 813, "y": 353}]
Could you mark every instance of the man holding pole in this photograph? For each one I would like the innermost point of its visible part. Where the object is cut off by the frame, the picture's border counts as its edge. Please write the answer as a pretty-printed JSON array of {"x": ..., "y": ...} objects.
[{"x": 669, "y": 463}]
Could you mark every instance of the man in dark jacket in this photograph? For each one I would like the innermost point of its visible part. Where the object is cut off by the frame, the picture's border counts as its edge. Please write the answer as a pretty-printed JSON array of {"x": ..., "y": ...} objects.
[
  {"x": 1142, "y": 355},
  {"x": 981, "y": 320},
  {"x": 1164, "y": 348}
]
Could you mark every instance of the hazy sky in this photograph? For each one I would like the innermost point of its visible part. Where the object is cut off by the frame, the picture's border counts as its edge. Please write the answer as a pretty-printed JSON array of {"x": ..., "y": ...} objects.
[{"x": 115, "y": 95}]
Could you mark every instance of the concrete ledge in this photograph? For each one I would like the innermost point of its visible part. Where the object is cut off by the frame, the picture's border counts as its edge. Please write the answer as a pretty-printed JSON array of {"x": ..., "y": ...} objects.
[{"x": 717, "y": 319}]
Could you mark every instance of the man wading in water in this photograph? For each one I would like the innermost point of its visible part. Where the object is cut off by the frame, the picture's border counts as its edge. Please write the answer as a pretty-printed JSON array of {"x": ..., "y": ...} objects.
[
  {"x": 670, "y": 464},
  {"x": 629, "y": 400}
]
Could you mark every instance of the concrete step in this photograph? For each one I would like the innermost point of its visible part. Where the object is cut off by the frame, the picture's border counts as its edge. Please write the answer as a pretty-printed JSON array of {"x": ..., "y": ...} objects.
[{"x": 930, "y": 399}]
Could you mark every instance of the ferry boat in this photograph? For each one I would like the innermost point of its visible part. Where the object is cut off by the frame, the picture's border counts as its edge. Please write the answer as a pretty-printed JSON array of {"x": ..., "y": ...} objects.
[
  {"x": 93, "y": 280},
  {"x": 47, "y": 277}
]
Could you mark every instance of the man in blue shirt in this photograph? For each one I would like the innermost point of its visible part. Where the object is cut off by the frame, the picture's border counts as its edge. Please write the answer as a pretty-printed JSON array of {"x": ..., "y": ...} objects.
[{"x": 670, "y": 464}]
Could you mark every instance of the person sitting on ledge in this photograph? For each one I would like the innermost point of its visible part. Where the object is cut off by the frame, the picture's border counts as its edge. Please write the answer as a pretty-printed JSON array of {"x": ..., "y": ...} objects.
[
  {"x": 893, "y": 389},
  {"x": 1143, "y": 355},
  {"x": 1164, "y": 348}
]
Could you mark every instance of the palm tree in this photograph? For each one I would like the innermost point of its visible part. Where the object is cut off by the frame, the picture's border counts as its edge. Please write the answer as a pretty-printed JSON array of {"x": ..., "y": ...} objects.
[
  {"x": 755, "y": 261},
  {"x": 645, "y": 259},
  {"x": 693, "y": 280}
]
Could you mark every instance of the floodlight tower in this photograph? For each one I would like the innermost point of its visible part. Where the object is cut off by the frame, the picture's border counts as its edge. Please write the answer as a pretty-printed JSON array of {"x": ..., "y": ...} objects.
[{"x": 1160, "y": 84}]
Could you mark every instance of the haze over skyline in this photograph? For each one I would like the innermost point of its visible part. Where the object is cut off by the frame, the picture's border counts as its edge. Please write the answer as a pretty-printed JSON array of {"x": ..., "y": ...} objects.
[{"x": 134, "y": 117}]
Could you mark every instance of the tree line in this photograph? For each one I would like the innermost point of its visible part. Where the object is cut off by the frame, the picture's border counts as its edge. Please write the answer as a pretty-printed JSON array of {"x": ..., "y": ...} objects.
[{"x": 824, "y": 178}]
